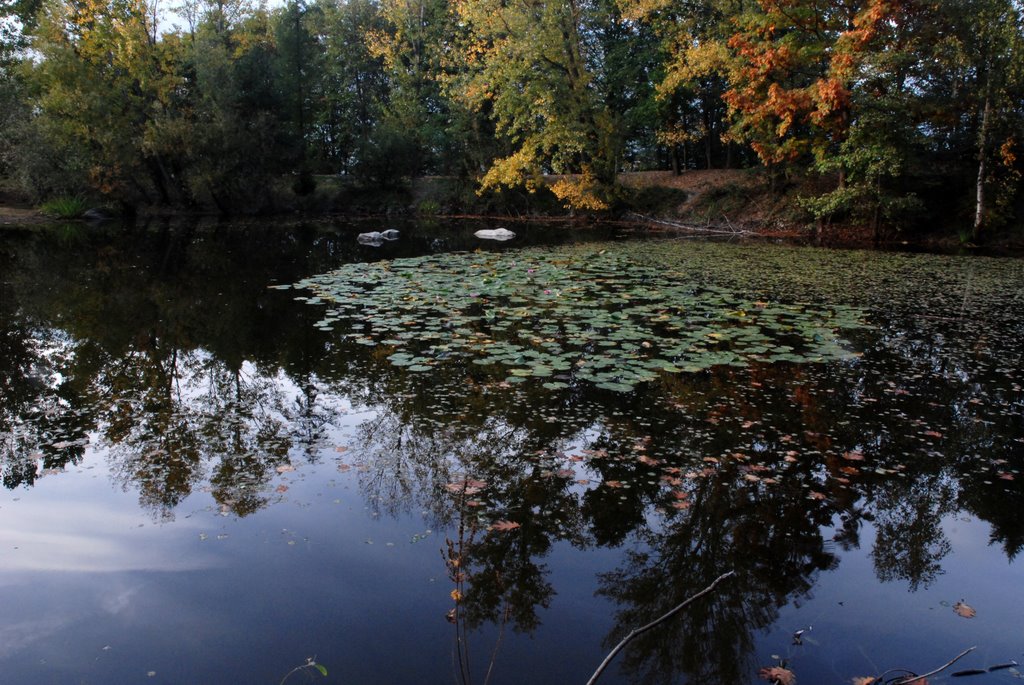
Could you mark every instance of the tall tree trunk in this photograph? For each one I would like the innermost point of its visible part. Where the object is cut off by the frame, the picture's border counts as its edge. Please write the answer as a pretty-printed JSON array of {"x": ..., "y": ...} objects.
[{"x": 979, "y": 204}]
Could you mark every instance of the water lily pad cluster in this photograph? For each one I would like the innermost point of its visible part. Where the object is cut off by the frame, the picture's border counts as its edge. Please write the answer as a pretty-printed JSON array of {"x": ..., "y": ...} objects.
[{"x": 613, "y": 315}]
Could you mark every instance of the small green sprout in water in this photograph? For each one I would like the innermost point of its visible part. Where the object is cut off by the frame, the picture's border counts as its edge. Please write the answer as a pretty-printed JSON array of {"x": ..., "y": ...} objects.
[{"x": 311, "y": 664}]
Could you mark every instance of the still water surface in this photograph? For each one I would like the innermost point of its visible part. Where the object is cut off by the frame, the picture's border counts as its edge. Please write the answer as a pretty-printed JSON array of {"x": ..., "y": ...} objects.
[{"x": 206, "y": 482}]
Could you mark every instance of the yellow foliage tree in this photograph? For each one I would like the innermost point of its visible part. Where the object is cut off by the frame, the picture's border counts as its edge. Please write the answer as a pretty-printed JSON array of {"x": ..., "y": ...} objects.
[{"x": 525, "y": 66}]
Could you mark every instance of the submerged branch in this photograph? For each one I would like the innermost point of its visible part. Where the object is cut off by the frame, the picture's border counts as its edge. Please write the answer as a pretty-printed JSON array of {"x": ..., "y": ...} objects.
[{"x": 661, "y": 619}]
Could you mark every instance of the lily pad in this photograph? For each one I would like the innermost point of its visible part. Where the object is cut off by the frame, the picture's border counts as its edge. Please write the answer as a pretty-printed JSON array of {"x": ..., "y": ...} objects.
[{"x": 615, "y": 315}]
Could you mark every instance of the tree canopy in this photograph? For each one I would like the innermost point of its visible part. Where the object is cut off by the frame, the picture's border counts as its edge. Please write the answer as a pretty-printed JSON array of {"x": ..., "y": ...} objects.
[{"x": 891, "y": 104}]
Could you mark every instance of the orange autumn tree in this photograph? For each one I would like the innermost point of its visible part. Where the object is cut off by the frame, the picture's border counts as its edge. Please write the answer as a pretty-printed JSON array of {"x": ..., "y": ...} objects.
[{"x": 792, "y": 66}]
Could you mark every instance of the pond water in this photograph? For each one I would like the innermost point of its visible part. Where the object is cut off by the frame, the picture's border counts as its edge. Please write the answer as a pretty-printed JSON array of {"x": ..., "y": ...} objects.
[{"x": 226, "y": 450}]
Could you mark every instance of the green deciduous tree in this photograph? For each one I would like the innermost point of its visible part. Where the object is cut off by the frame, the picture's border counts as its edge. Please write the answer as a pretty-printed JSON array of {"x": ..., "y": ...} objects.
[
  {"x": 352, "y": 86},
  {"x": 99, "y": 76}
]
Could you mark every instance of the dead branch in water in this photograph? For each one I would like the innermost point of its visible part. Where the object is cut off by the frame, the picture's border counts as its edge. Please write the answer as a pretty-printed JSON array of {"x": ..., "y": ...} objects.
[
  {"x": 719, "y": 229},
  {"x": 661, "y": 619},
  {"x": 917, "y": 678}
]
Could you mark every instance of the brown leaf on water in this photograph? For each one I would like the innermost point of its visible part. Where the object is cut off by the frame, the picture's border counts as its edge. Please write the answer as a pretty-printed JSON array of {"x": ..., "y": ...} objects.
[
  {"x": 869, "y": 680},
  {"x": 613, "y": 483},
  {"x": 285, "y": 468},
  {"x": 933, "y": 434},
  {"x": 505, "y": 526},
  {"x": 777, "y": 675},
  {"x": 340, "y": 448},
  {"x": 964, "y": 610},
  {"x": 469, "y": 486},
  {"x": 814, "y": 494},
  {"x": 853, "y": 456},
  {"x": 281, "y": 488}
]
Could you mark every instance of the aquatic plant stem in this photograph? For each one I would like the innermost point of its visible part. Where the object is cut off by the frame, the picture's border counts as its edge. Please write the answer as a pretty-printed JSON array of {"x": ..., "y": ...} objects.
[
  {"x": 661, "y": 619},
  {"x": 917, "y": 678}
]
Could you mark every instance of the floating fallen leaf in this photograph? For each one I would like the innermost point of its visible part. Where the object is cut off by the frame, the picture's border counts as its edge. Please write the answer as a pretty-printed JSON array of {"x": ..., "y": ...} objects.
[
  {"x": 933, "y": 434},
  {"x": 340, "y": 448},
  {"x": 853, "y": 456},
  {"x": 869, "y": 680},
  {"x": 281, "y": 488},
  {"x": 456, "y": 595},
  {"x": 613, "y": 483},
  {"x": 964, "y": 610},
  {"x": 777, "y": 675},
  {"x": 504, "y": 525},
  {"x": 469, "y": 486},
  {"x": 285, "y": 468}
]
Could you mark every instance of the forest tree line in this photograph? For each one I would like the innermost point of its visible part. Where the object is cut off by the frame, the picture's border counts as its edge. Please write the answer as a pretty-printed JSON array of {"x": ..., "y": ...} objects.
[{"x": 897, "y": 108}]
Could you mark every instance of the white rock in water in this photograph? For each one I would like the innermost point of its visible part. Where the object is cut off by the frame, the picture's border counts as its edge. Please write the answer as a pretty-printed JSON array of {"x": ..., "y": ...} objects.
[
  {"x": 495, "y": 234},
  {"x": 373, "y": 237},
  {"x": 390, "y": 234}
]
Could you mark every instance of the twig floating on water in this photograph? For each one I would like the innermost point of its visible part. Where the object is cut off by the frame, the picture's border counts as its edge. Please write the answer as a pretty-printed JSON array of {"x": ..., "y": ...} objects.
[
  {"x": 637, "y": 631},
  {"x": 916, "y": 678}
]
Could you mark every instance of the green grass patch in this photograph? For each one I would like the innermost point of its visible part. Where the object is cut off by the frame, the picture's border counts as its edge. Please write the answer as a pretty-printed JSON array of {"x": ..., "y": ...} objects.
[{"x": 65, "y": 207}]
